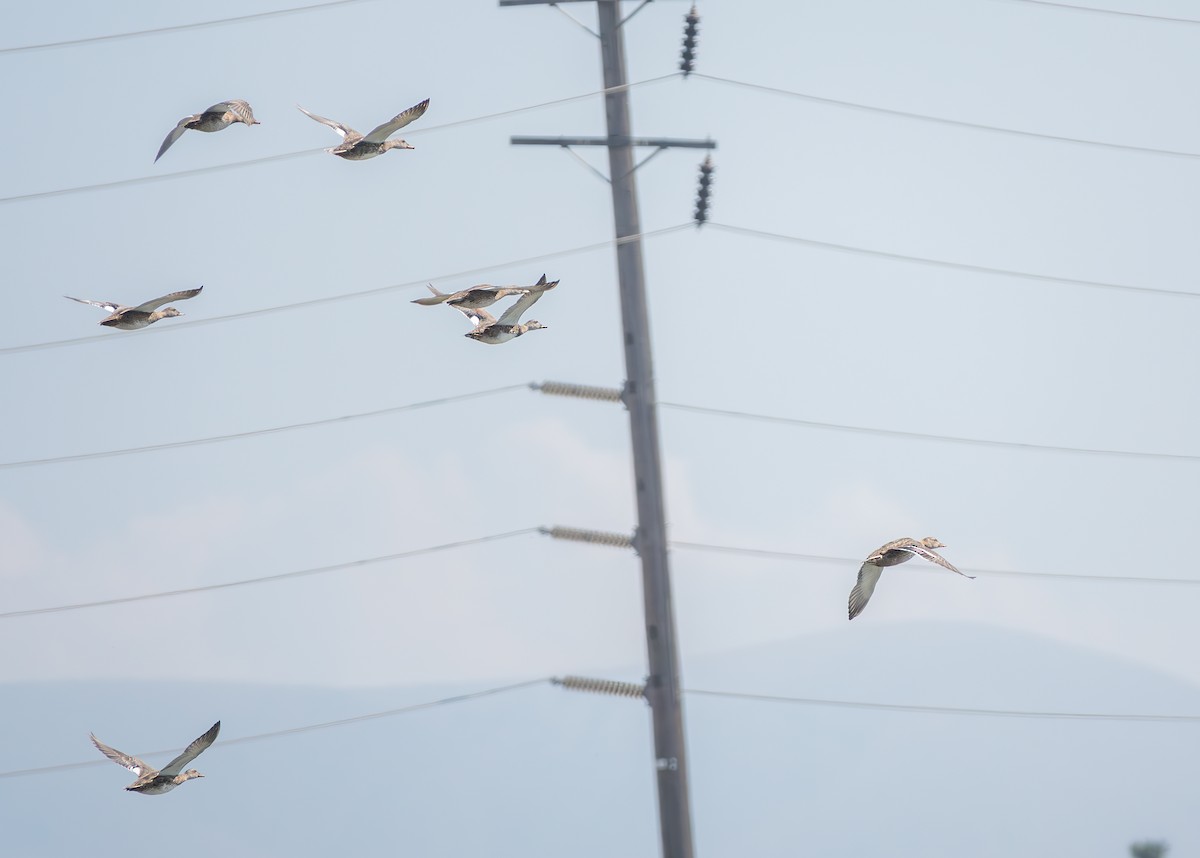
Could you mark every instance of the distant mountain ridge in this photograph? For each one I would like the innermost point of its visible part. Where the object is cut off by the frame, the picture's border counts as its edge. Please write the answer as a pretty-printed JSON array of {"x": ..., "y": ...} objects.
[{"x": 524, "y": 773}]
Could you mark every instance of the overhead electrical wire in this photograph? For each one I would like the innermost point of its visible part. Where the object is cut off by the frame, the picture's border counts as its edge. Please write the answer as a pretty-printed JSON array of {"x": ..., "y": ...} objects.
[
  {"x": 747, "y": 231},
  {"x": 265, "y": 579},
  {"x": 235, "y": 165},
  {"x": 944, "y": 263},
  {"x": 179, "y": 28},
  {"x": 416, "y": 552},
  {"x": 347, "y": 296},
  {"x": 1098, "y": 11},
  {"x": 253, "y": 433},
  {"x": 140, "y": 180},
  {"x": 306, "y": 728},
  {"x": 671, "y": 406},
  {"x": 941, "y": 120},
  {"x": 947, "y": 710},
  {"x": 699, "y": 692},
  {"x": 927, "y": 436},
  {"x": 851, "y": 562}
]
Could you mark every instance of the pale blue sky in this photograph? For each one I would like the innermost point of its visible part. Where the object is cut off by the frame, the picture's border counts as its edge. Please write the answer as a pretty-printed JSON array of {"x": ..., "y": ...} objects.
[{"x": 739, "y": 322}]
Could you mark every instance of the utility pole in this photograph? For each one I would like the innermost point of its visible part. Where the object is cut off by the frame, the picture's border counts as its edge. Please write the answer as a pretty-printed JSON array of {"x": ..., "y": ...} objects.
[{"x": 662, "y": 689}]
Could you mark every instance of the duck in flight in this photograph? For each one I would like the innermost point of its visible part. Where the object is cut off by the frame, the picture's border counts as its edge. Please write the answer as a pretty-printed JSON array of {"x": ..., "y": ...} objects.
[
  {"x": 492, "y": 331},
  {"x": 476, "y": 297},
  {"x": 132, "y": 318},
  {"x": 896, "y": 551},
  {"x": 216, "y": 118},
  {"x": 156, "y": 782},
  {"x": 359, "y": 147}
]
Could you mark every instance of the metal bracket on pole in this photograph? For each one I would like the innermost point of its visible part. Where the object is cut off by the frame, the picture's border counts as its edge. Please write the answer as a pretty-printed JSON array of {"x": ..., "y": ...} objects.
[
  {"x": 580, "y": 159},
  {"x": 659, "y": 144},
  {"x": 576, "y": 20},
  {"x": 640, "y": 7}
]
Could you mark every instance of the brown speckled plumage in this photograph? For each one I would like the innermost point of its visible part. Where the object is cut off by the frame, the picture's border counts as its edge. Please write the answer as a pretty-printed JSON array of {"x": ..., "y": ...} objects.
[
  {"x": 894, "y": 552},
  {"x": 216, "y": 118},
  {"x": 359, "y": 147},
  {"x": 132, "y": 318},
  {"x": 158, "y": 781},
  {"x": 494, "y": 331}
]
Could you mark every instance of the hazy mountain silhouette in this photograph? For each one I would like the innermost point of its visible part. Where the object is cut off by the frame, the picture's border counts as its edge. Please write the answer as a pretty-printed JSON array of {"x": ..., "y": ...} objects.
[{"x": 543, "y": 772}]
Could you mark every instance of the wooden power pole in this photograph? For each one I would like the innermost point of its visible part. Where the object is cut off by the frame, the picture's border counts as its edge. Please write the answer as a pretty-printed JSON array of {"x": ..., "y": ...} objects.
[{"x": 663, "y": 684}]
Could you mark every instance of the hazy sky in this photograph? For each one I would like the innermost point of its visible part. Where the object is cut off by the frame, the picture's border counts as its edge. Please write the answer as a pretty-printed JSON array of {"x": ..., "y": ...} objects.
[{"x": 740, "y": 322}]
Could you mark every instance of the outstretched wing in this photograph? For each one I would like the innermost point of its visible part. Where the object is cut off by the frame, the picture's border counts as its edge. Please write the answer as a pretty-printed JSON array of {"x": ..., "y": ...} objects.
[
  {"x": 479, "y": 318},
  {"x": 513, "y": 314},
  {"x": 933, "y": 557},
  {"x": 237, "y": 107},
  {"x": 175, "y": 134},
  {"x": 387, "y": 129},
  {"x": 344, "y": 131},
  {"x": 868, "y": 577},
  {"x": 132, "y": 763},
  {"x": 191, "y": 752},
  {"x": 103, "y": 305},
  {"x": 436, "y": 298},
  {"x": 151, "y": 306}
]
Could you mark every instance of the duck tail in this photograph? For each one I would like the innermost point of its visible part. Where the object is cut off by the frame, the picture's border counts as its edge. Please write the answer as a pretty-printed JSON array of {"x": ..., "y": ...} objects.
[{"x": 436, "y": 298}]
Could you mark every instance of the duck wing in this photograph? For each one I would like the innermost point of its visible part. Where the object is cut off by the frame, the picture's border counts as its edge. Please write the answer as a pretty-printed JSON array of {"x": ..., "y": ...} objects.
[
  {"x": 344, "y": 131},
  {"x": 904, "y": 543},
  {"x": 191, "y": 752},
  {"x": 479, "y": 318},
  {"x": 868, "y": 577},
  {"x": 387, "y": 129},
  {"x": 932, "y": 556},
  {"x": 151, "y": 306},
  {"x": 436, "y": 298},
  {"x": 132, "y": 763},
  {"x": 513, "y": 314},
  {"x": 103, "y": 305},
  {"x": 236, "y": 106},
  {"x": 175, "y": 134}
]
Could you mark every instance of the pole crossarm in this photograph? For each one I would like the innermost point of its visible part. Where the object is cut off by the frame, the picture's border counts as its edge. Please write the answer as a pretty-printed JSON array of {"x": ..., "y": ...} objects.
[{"x": 647, "y": 142}]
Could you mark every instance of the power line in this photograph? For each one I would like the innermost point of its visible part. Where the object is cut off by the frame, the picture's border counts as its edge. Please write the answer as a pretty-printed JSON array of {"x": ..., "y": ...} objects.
[
  {"x": 307, "y": 728},
  {"x": 162, "y": 177},
  {"x": 213, "y": 439},
  {"x": 253, "y": 162},
  {"x": 1097, "y": 11},
  {"x": 748, "y": 231},
  {"x": 703, "y": 692},
  {"x": 924, "y": 436},
  {"x": 282, "y": 576},
  {"x": 674, "y": 544},
  {"x": 347, "y": 296},
  {"x": 853, "y": 562},
  {"x": 941, "y": 120},
  {"x": 588, "y": 392},
  {"x": 178, "y": 28},
  {"x": 947, "y": 710},
  {"x": 943, "y": 263},
  {"x": 761, "y": 698}
]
